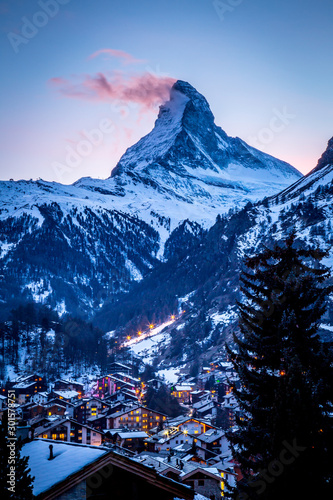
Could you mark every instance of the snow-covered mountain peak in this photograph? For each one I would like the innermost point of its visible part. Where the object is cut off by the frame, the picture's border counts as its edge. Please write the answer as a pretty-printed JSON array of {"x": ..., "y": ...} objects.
[
  {"x": 186, "y": 146},
  {"x": 186, "y": 114},
  {"x": 197, "y": 103},
  {"x": 117, "y": 229}
]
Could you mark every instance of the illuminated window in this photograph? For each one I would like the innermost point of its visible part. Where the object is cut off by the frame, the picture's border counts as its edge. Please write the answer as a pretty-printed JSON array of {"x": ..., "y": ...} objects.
[
  {"x": 62, "y": 436},
  {"x": 72, "y": 434},
  {"x": 54, "y": 436},
  {"x": 44, "y": 436},
  {"x": 138, "y": 419}
]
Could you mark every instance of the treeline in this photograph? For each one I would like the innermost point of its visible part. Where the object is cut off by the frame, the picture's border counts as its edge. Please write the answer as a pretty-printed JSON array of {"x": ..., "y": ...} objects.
[
  {"x": 206, "y": 267},
  {"x": 76, "y": 257},
  {"x": 36, "y": 337}
]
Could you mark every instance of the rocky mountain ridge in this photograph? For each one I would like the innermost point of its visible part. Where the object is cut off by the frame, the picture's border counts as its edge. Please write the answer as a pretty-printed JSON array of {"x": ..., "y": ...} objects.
[{"x": 73, "y": 246}]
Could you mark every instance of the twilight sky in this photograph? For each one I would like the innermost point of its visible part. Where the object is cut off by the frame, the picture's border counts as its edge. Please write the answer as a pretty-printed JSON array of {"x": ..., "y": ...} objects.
[{"x": 82, "y": 80}]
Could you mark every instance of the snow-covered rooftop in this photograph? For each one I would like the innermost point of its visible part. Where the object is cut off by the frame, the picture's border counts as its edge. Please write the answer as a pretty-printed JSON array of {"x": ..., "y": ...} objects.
[
  {"x": 133, "y": 435},
  {"x": 68, "y": 459},
  {"x": 66, "y": 394}
]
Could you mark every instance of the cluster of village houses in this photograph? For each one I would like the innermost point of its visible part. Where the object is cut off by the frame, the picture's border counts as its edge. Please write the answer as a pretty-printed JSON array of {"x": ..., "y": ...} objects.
[{"x": 74, "y": 435}]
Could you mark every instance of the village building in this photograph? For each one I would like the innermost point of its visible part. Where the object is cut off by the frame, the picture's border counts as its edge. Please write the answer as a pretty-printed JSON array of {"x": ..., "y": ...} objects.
[
  {"x": 26, "y": 387},
  {"x": 167, "y": 440},
  {"x": 40, "y": 397},
  {"x": 68, "y": 471},
  {"x": 85, "y": 409},
  {"x": 109, "y": 384},
  {"x": 69, "y": 385},
  {"x": 65, "y": 429},
  {"x": 183, "y": 393},
  {"x": 135, "y": 417},
  {"x": 206, "y": 481},
  {"x": 190, "y": 425},
  {"x": 212, "y": 442},
  {"x": 131, "y": 440},
  {"x": 69, "y": 395}
]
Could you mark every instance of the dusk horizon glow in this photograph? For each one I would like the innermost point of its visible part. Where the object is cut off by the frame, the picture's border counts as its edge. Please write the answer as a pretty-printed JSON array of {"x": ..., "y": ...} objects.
[{"x": 77, "y": 72}]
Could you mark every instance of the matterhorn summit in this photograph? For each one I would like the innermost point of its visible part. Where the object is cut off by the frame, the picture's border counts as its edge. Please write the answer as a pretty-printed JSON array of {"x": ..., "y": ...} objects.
[
  {"x": 188, "y": 156},
  {"x": 64, "y": 245}
]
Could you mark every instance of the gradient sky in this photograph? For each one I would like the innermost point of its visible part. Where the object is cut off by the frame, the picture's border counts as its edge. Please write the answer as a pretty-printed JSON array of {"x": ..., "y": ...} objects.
[{"x": 265, "y": 67}]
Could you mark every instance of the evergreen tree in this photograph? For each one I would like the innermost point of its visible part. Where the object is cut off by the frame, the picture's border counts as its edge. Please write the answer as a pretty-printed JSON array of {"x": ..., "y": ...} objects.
[
  {"x": 162, "y": 400},
  {"x": 23, "y": 481},
  {"x": 283, "y": 441}
]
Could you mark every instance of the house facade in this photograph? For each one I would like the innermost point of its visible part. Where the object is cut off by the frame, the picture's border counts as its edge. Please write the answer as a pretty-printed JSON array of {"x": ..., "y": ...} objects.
[{"x": 135, "y": 417}]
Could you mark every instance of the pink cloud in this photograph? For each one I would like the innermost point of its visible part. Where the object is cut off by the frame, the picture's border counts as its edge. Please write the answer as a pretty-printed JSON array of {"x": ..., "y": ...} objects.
[
  {"x": 57, "y": 81},
  {"x": 145, "y": 89},
  {"x": 120, "y": 54}
]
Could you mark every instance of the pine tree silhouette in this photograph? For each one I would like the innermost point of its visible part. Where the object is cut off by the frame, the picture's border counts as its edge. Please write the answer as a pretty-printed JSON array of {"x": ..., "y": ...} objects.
[{"x": 283, "y": 442}]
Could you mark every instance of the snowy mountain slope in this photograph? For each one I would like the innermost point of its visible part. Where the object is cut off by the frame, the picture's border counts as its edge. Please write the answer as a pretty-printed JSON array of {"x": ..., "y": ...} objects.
[
  {"x": 308, "y": 184},
  {"x": 209, "y": 272},
  {"x": 71, "y": 246},
  {"x": 184, "y": 165}
]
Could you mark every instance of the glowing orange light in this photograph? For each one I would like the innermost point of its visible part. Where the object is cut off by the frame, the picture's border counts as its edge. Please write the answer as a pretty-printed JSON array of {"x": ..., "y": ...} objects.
[
  {"x": 282, "y": 372},
  {"x": 173, "y": 316},
  {"x": 151, "y": 326},
  {"x": 128, "y": 337},
  {"x": 139, "y": 333}
]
